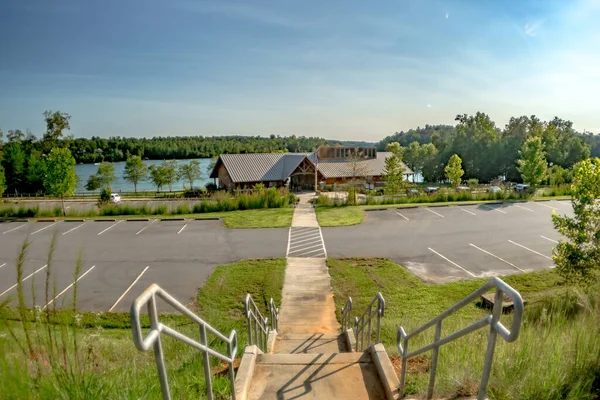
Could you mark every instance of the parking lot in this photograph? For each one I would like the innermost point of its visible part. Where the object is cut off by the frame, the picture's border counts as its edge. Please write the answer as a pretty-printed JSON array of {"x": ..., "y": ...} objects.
[
  {"x": 444, "y": 244},
  {"x": 121, "y": 258}
]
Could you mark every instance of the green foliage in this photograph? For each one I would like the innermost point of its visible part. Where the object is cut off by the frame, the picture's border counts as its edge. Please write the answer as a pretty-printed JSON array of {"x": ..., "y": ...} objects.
[
  {"x": 453, "y": 170},
  {"x": 190, "y": 172},
  {"x": 578, "y": 257},
  {"x": 135, "y": 171},
  {"x": 532, "y": 162},
  {"x": 60, "y": 179},
  {"x": 393, "y": 173}
]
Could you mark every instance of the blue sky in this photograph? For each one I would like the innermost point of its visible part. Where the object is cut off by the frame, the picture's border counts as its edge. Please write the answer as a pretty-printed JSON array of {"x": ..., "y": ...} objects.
[{"x": 338, "y": 69}]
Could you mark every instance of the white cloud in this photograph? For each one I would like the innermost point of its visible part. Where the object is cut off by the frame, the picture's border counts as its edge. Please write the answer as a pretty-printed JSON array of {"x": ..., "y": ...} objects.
[{"x": 532, "y": 28}]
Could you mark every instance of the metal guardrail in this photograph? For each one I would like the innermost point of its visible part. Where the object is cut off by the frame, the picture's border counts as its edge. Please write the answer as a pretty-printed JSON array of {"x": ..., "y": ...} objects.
[
  {"x": 152, "y": 339},
  {"x": 493, "y": 320},
  {"x": 258, "y": 326},
  {"x": 347, "y": 315}
]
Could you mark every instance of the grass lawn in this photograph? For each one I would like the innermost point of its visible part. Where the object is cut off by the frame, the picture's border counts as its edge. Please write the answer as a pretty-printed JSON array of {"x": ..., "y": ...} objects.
[
  {"x": 339, "y": 216},
  {"x": 104, "y": 363},
  {"x": 556, "y": 356}
]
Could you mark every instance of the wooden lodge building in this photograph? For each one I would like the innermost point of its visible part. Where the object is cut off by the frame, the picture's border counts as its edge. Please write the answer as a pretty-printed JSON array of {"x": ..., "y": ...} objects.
[{"x": 333, "y": 164}]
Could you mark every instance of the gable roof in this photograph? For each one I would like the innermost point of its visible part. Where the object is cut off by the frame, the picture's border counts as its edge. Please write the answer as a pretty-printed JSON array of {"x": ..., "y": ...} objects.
[{"x": 266, "y": 167}]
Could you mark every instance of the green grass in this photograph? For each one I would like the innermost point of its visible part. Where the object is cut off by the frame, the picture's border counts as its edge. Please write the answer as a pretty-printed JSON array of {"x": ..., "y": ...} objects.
[
  {"x": 91, "y": 355},
  {"x": 556, "y": 356},
  {"x": 339, "y": 216}
]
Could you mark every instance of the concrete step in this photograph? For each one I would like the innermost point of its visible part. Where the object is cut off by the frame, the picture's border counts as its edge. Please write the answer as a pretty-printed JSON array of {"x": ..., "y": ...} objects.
[
  {"x": 309, "y": 343},
  {"x": 316, "y": 376}
]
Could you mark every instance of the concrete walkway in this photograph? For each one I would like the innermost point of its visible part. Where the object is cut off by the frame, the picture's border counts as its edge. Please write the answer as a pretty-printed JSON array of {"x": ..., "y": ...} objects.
[{"x": 307, "y": 305}]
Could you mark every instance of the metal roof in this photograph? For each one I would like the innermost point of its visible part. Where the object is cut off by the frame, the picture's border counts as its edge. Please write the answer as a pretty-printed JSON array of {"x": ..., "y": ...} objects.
[{"x": 265, "y": 167}]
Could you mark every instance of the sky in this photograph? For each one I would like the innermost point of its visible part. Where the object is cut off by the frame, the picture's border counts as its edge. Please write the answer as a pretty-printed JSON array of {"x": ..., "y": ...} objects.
[{"x": 339, "y": 69}]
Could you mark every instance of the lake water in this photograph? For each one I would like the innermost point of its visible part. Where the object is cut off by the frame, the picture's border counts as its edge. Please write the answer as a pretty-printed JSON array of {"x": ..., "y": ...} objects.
[{"x": 119, "y": 185}]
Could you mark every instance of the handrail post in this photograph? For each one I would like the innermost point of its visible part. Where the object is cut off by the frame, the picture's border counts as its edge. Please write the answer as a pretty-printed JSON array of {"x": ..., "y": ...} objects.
[
  {"x": 489, "y": 355},
  {"x": 158, "y": 353},
  {"x": 206, "y": 362},
  {"x": 434, "y": 359}
]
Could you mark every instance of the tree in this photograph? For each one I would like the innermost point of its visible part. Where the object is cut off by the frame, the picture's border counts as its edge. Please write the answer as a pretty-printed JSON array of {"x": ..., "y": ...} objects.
[
  {"x": 2, "y": 181},
  {"x": 532, "y": 162},
  {"x": 170, "y": 173},
  {"x": 60, "y": 179},
  {"x": 454, "y": 170},
  {"x": 393, "y": 173},
  {"x": 135, "y": 171},
  {"x": 578, "y": 258},
  {"x": 157, "y": 176},
  {"x": 190, "y": 172},
  {"x": 103, "y": 178}
]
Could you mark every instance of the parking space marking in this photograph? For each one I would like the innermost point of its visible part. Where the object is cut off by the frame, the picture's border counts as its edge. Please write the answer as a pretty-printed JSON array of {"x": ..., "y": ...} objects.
[
  {"x": 142, "y": 230},
  {"x": 467, "y": 211},
  {"x": 493, "y": 209},
  {"x": 115, "y": 224},
  {"x": 46, "y": 227},
  {"x": 14, "y": 229},
  {"x": 452, "y": 262},
  {"x": 543, "y": 205},
  {"x": 181, "y": 230},
  {"x": 524, "y": 208},
  {"x": 69, "y": 287},
  {"x": 306, "y": 242},
  {"x": 72, "y": 229},
  {"x": 533, "y": 251},
  {"x": 24, "y": 279},
  {"x": 436, "y": 213},
  {"x": 129, "y": 288},
  {"x": 401, "y": 215},
  {"x": 495, "y": 256},
  {"x": 548, "y": 239}
]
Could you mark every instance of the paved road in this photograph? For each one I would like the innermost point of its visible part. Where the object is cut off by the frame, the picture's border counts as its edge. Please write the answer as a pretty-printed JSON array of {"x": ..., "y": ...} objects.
[
  {"x": 178, "y": 255},
  {"x": 443, "y": 244}
]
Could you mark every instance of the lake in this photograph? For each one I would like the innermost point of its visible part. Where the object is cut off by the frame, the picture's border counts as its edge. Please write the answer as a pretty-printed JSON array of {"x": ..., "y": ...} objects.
[{"x": 119, "y": 185}]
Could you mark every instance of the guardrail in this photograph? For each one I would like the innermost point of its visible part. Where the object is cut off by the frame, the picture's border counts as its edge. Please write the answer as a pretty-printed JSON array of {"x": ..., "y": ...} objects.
[
  {"x": 493, "y": 320},
  {"x": 258, "y": 326},
  {"x": 152, "y": 339}
]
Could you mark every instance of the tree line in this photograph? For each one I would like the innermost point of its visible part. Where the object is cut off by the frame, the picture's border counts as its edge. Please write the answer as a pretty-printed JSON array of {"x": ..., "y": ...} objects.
[{"x": 488, "y": 152}]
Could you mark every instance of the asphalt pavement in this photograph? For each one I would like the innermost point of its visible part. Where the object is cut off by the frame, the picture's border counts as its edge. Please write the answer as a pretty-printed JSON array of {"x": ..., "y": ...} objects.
[{"x": 444, "y": 244}]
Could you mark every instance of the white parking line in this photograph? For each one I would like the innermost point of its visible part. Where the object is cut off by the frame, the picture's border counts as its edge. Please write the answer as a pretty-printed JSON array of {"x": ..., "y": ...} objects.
[
  {"x": 72, "y": 229},
  {"x": 142, "y": 230},
  {"x": 46, "y": 227},
  {"x": 533, "y": 251},
  {"x": 24, "y": 279},
  {"x": 493, "y": 209},
  {"x": 431, "y": 211},
  {"x": 70, "y": 286},
  {"x": 402, "y": 215},
  {"x": 115, "y": 224},
  {"x": 495, "y": 256},
  {"x": 181, "y": 230},
  {"x": 451, "y": 262},
  {"x": 524, "y": 208},
  {"x": 543, "y": 205},
  {"x": 14, "y": 229},
  {"x": 128, "y": 289},
  {"x": 551, "y": 240},
  {"x": 467, "y": 211}
]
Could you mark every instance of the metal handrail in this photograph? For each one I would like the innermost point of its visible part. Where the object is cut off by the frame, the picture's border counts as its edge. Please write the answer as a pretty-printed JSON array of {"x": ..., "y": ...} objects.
[
  {"x": 493, "y": 320},
  {"x": 365, "y": 321},
  {"x": 152, "y": 339},
  {"x": 258, "y": 326},
  {"x": 347, "y": 315}
]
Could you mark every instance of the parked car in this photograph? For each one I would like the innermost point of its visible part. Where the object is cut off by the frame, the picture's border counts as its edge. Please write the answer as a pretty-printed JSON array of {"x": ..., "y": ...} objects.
[
  {"x": 431, "y": 189},
  {"x": 115, "y": 197},
  {"x": 494, "y": 189},
  {"x": 520, "y": 187}
]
